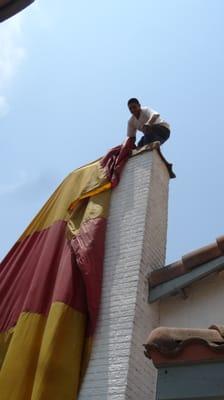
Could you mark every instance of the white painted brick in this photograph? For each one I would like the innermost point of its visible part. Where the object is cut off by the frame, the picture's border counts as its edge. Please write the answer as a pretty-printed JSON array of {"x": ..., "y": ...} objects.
[{"x": 135, "y": 244}]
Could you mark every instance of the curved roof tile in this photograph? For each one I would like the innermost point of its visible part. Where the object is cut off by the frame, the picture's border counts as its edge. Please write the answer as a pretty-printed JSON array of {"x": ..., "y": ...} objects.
[
  {"x": 188, "y": 262},
  {"x": 179, "y": 345}
]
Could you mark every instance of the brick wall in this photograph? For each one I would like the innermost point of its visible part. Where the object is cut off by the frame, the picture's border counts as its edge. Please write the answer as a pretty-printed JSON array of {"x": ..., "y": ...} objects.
[{"x": 135, "y": 244}]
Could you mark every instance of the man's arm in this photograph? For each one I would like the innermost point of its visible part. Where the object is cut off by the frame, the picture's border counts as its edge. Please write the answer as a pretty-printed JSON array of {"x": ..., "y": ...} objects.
[
  {"x": 153, "y": 115},
  {"x": 131, "y": 131},
  {"x": 153, "y": 119}
]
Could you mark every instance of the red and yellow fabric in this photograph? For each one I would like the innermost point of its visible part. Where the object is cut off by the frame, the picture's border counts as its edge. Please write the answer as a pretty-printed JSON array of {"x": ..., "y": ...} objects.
[{"x": 50, "y": 286}]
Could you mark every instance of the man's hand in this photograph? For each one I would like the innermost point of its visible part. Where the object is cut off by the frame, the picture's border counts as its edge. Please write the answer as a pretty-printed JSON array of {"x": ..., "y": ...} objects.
[{"x": 152, "y": 119}]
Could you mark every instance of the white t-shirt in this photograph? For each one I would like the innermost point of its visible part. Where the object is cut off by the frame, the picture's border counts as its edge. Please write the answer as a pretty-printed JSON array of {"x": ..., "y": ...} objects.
[{"x": 146, "y": 114}]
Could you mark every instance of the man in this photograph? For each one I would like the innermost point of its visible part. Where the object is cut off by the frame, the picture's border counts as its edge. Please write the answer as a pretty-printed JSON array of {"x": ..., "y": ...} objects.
[{"x": 147, "y": 121}]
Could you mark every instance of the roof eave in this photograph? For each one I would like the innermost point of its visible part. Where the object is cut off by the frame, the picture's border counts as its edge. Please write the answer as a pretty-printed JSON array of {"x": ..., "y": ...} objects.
[
  {"x": 174, "y": 286},
  {"x": 12, "y": 8}
]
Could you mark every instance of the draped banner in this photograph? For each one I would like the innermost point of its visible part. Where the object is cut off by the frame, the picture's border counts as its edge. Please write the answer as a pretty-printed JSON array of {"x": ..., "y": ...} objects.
[{"x": 50, "y": 286}]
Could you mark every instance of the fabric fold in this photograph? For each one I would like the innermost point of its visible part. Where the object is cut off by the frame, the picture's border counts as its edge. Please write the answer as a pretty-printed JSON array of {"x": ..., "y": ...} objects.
[{"x": 50, "y": 286}]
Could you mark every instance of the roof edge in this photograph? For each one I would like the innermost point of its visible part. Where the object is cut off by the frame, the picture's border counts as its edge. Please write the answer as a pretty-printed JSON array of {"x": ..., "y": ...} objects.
[
  {"x": 187, "y": 263},
  {"x": 12, "y": 8},
  {"x": 155, "y": 146},
  {"x": 178, "y": 345},
  {"x": 177, "y": 284}
]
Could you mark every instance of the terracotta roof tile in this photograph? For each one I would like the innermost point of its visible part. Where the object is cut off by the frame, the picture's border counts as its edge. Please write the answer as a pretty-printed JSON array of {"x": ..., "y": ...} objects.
[
  {"x": 188, "y": 262},
  {"x": 178, "y": 345}
]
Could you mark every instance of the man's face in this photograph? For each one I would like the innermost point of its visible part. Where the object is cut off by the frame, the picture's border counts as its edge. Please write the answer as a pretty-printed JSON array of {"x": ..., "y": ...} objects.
[{"x": 135, "y": 109}]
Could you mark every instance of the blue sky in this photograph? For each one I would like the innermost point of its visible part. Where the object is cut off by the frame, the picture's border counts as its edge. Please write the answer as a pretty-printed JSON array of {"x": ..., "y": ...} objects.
[{"x": 65, "y": 76}]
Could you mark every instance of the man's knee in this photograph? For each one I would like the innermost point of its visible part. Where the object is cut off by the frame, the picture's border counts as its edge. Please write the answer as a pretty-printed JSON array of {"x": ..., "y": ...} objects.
[{"x": 165, "y": 136}]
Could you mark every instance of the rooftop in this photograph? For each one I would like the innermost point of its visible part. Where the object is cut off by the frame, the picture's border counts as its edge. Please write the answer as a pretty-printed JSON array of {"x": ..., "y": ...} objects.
[
  {"x": 192, "y": 267},
  {"x": 8, "y": 8}
]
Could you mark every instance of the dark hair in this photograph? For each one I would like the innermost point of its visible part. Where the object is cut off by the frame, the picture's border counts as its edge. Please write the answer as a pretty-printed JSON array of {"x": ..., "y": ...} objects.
[{"x": 133, "y": 100}]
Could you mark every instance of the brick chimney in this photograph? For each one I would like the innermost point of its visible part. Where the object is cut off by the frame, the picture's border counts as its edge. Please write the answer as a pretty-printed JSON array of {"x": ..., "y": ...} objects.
[{"x": 135, "y": 245}]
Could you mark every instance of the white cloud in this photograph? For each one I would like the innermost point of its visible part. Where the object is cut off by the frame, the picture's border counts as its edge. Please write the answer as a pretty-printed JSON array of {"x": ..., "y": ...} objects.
[{"x": 11, "y": 54}]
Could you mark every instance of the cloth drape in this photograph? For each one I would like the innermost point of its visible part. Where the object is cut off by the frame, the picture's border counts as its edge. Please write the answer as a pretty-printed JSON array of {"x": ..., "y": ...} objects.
[{"x": 50, "y": 286}]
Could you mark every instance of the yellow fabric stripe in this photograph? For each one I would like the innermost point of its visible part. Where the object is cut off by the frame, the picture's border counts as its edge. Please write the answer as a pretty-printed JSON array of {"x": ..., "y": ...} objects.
[
  {"x": 5, "y": 339},
  {"x": 81, "y": 183},
  {"x": 86, "y": 357},
  {"x": 95, "y": 207},
  {"x": 101, "y": 189},
  {"x": 43, "y": 359}
]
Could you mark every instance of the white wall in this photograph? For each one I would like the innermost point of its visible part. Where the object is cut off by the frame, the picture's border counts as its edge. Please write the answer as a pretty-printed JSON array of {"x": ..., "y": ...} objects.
[
  {"x": 135, "y": 244},
  {"x": 202, "y": 307}
]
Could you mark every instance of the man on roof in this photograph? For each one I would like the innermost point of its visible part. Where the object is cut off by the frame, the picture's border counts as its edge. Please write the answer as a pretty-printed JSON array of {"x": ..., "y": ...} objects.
[{"x": 149, "y": 122}]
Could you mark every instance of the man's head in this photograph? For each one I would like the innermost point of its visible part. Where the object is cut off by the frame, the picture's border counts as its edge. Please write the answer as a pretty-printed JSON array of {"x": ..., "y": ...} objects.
[{"x": 134, "y": 107}]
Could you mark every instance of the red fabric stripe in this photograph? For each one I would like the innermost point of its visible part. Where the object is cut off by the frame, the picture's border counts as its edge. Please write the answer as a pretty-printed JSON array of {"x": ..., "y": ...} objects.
[
  {"x": 88, "y": 247},
  {"x": 114, "y": 161},
  {"x": 42, "y": 269},
  {"x": 37, "y": 272}
]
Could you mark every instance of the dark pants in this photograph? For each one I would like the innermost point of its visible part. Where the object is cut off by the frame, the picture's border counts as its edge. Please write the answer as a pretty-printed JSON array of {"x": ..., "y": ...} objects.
[{"x": 154, "y": 133}]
